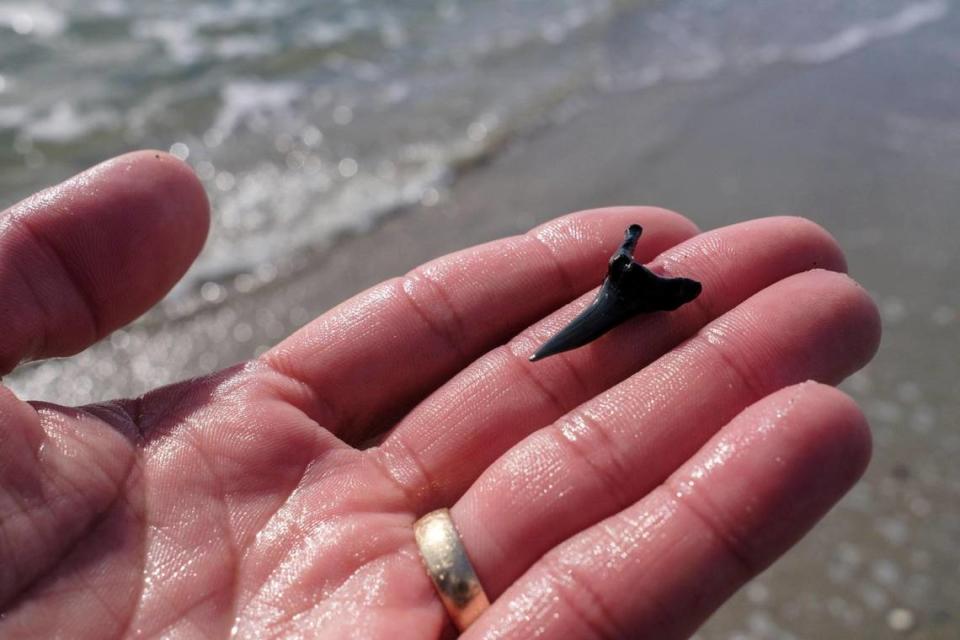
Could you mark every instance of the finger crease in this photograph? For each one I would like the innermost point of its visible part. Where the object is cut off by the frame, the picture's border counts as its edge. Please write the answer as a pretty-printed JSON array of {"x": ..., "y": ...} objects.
[
  {"x": 320, "y": 409},
  {"x": 414, "y": 499},
  {"x": 444, "y": 297},
  {"x": 573, "y": 589},
  {"x": 51, "y": 251},
  {"x": 614, "y": 480},
  {"x": 585, "y": 389},
  {"x": 562, "y": 274},
  {"x": 752, "y": 383},
  {"x": 712, "y": 524},
  {"x": 436, "y": 327},
  {"x": 40, "y": 346},
  {"x": 520, "y": 364}
]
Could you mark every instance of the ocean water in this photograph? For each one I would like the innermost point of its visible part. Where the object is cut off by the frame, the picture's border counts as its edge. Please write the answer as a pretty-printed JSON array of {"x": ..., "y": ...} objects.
[{"x": 307, "y": 120}]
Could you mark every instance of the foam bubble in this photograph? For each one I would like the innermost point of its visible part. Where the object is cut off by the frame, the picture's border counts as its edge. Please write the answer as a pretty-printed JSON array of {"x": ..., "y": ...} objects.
[
  {"x": 64, "y": 123},
  {"x": 245, "y": 100},
  {"x": 859, "y": 35},
  {"x": 34, "y": 19}
]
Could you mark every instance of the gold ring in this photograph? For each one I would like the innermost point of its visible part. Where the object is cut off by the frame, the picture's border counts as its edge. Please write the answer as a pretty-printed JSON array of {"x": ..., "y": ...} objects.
[{"x": 449, "y": 568}]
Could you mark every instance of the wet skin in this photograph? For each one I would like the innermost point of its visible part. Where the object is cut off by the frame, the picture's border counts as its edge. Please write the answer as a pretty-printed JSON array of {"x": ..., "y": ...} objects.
[{"x": 621, "y": 490}]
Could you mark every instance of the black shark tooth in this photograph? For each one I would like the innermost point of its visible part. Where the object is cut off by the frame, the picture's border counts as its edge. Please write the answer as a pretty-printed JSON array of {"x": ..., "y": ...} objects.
[{"x": 629, "y": 289}]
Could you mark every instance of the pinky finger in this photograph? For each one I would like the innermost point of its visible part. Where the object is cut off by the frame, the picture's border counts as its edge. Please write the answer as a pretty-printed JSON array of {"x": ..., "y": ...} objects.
[{"x": 659, "y": 568}]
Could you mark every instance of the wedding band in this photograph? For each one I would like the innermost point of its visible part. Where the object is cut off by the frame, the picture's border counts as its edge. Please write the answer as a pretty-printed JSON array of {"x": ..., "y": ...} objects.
[{"x": 449, "y": 568}]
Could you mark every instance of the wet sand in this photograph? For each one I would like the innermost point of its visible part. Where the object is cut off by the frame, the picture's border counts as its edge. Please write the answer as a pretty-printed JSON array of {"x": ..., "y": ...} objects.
[{"x": 867, "y": 145}]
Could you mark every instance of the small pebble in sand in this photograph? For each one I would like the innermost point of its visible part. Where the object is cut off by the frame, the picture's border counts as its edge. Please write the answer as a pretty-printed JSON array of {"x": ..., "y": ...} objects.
[{"x": 900, "y": 619}]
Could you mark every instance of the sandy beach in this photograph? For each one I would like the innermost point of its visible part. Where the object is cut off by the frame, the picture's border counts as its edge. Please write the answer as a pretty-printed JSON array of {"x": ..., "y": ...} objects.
[{"x": 868, "y": 145}]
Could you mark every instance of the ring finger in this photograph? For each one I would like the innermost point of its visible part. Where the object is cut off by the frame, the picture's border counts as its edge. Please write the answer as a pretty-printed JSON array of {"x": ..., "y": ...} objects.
[{"x": 658, "y": 568}]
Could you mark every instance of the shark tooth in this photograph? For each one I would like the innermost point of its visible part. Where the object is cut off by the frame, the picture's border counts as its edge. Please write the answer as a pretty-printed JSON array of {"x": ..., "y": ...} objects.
[{"x": 628, "y": 290}]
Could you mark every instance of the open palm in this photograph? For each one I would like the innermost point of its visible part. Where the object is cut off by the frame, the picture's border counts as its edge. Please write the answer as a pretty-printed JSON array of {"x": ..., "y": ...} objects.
[{"x": 625, "y": 489}]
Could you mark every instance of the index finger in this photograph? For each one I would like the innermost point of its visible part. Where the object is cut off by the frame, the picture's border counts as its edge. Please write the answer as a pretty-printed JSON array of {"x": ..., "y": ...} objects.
[{"x": 374, "y": 356}]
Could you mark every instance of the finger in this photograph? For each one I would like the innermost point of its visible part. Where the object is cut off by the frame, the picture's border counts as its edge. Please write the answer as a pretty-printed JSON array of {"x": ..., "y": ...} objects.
[
  {"x": 360, "y": 358},
  {"x": 612, "y": 450},
  {"x": 60, "y": 471},
  {"x": 89, "y": 255},
  {"x": 659, "y": 568},
  {"x": 444, "y": 445}
]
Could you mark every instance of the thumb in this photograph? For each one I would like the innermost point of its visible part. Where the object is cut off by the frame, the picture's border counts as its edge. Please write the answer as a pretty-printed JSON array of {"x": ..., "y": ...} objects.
[{"x": 85, "y": 257}]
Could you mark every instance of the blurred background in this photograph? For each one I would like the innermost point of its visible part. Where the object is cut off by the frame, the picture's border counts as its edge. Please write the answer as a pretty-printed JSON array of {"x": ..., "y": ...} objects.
[{"x": 345, "y": 141}]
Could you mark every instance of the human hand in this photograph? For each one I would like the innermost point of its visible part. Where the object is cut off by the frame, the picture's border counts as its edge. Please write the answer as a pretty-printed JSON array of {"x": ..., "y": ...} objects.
[{"x": 625, "y": 489}]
